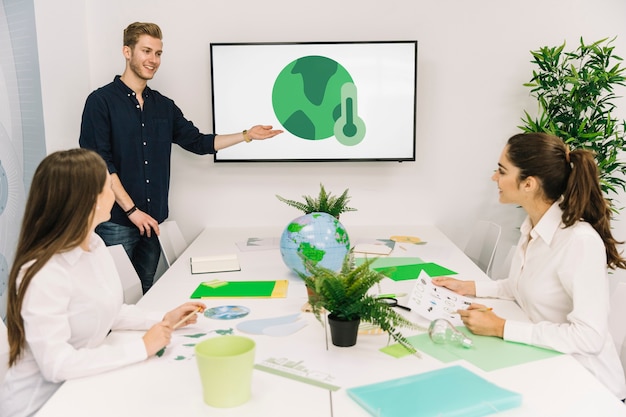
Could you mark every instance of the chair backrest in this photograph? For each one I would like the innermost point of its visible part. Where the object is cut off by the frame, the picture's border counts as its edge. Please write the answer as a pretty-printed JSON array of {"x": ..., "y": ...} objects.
[
  {"x": 4, "y": 350},
  {"x": 128, "y": 275},
  {"x": 482, "y": 244},
  {"x": 500, "y": 270},
  {"x": 617, "y": 325},
  {"x": 172, "y": 241}
]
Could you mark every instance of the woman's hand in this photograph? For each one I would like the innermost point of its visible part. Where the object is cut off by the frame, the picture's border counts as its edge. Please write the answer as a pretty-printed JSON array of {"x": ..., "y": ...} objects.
[
  {"x": 456, "y": 285},
  {"x": 175, "y": 316},
  {"x": 157, "y": 337},
  {"x": 482, "y": 321}
]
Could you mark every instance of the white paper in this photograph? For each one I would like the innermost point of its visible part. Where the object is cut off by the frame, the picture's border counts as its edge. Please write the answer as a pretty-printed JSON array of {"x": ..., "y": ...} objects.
[
  {"x": 259, "y": 243},
  {"x": 372, "y": 248},
  {"x": 433, "y": 302}
]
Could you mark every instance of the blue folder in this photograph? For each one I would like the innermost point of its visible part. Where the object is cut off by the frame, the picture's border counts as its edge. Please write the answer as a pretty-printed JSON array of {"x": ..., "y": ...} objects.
[{"x": 448, "y": 392}]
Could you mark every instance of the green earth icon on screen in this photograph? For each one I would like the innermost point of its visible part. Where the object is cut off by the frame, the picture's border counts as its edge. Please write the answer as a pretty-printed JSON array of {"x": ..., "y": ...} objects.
[{"x": 315, "y": 98}]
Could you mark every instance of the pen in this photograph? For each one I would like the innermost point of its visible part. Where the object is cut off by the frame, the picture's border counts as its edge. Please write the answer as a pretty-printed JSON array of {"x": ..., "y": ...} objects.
[
  {"x": 400, "y": 294},
  {"x": 483, "y": 310},
  {"x": 184, "y": 319}
]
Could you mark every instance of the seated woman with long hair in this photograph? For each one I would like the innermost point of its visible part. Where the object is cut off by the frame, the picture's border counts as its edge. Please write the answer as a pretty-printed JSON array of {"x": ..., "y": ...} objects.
[
  {"x": 65, "y": 294},
  {"x": 558, "y": 275}
]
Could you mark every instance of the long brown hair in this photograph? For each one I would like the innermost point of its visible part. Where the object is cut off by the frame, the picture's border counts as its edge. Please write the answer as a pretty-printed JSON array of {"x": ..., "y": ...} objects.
[
  {"x": 570, "y": 175},
  {"x": 58, "y": 215}
]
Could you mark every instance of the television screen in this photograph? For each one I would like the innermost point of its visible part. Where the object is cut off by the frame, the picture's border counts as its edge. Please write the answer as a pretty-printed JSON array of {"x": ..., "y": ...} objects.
[{"x": 336, "y": 101}]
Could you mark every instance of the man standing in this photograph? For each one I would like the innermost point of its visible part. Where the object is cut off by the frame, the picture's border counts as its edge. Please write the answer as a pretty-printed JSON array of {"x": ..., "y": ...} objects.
[{"x": 133, "y": 127}]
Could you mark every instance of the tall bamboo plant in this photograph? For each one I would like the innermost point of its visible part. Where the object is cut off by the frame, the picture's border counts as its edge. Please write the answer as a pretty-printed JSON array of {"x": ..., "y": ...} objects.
[{"x": 576, "y": 98}]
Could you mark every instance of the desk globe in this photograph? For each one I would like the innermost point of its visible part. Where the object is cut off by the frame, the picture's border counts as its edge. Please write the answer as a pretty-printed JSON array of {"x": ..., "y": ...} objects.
[{"x": 318, "y": 237}]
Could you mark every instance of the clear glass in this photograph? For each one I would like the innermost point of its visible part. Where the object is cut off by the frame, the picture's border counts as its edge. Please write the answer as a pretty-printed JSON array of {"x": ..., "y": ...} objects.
[{"x": 442, "y": 331}]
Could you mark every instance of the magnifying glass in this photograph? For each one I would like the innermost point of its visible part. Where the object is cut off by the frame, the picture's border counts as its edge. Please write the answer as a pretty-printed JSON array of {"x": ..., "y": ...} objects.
[{"x": 392, "y": 302}]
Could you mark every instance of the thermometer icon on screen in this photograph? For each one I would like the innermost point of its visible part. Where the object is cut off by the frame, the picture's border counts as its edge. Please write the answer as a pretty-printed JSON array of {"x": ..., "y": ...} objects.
[{"x": 349, "y": 129}]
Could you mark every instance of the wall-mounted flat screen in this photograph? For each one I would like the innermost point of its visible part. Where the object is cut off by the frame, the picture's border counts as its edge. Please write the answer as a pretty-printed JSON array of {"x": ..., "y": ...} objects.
[{"x": 336, "y": 101}]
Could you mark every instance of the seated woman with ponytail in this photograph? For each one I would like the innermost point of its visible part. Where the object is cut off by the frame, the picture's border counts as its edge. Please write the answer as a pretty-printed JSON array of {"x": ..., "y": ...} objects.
[{"x": 558, "y": 275}]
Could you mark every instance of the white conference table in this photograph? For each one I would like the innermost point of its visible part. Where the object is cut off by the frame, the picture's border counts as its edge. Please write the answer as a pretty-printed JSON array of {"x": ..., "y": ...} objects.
[{"x": 555, "y": 387}]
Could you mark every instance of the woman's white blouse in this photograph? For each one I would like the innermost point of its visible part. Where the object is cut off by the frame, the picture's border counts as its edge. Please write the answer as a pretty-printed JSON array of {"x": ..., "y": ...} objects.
[
  {"x": 559, "y": 278},
  {"x": 69, "y": 308}
]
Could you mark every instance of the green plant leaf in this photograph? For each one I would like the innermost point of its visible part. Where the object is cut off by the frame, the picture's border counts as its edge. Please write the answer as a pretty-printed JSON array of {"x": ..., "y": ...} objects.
[
  {"x": 345, "y": 294},
  {"x": 325, "y": 202},
  {"x": 575, "y": 97}
]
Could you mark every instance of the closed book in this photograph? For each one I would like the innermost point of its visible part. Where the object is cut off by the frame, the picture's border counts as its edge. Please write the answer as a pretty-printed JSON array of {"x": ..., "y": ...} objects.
[
  {"x": 447, "y": 392},
  {"x": 215, "y": 263}
]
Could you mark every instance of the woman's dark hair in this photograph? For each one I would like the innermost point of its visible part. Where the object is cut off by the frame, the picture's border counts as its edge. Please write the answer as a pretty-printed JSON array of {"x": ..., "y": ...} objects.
[
  {"x": 58, "y": 215},
  {"x": 570, "y": 175}
]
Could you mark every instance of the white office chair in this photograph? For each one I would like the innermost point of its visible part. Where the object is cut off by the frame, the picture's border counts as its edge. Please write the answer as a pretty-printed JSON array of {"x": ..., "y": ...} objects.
[
  {"x": 4, "y": 350},
  {"x": 172, "y": 241},
  {"x": 130, "y": 280},
  {"x": 481, "y": 247},
  {"x": 501, "y": 270},
  {"x": 617, "y": 326}
]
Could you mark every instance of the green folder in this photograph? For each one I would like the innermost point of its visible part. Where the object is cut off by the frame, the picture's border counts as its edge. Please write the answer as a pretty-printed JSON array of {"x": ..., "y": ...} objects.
[
  {"x": 385, "y": 261},
  {"x": 405, "y": 272},
  {"x": 233, "y": 289},
  {"x": 448, "y": 392},
  {"x": 487, "y": 353}
]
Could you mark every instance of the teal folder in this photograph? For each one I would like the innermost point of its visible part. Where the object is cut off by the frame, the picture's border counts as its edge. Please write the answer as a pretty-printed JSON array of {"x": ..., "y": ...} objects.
[{"x": 447, "y": 392}]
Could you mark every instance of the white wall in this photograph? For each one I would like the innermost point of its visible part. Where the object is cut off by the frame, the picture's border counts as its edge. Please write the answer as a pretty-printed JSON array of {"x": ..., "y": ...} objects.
[{"x": 473, "y": 58}]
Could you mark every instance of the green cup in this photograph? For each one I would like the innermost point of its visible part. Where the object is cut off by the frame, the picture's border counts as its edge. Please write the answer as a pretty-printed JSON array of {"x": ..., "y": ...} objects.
[{"x": 225, "y": 364}]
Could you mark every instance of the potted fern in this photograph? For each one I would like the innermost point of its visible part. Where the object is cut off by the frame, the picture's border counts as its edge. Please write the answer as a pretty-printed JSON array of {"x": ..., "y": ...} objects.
[
  {"x": 344, "y": 295},
  {"x": 575, "y": 91},
  {"x": 324, "y": 203}
]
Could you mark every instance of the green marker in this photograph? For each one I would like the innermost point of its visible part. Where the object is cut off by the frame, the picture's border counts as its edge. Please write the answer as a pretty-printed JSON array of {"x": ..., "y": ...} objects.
[{"x": 400, "y": 294}]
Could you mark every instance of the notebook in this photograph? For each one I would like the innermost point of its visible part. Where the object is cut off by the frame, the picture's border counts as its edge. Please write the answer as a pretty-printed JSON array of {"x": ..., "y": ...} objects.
[
  {"x": 216, "y": 263},
  {"x": 447, "y": 392}
]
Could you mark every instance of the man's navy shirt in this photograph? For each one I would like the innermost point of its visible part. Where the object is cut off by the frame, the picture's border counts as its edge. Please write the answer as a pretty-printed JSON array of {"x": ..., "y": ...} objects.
[{"x": 136, "y": 143}]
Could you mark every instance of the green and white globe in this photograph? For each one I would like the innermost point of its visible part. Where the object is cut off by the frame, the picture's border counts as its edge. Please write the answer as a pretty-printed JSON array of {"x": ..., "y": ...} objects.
[{"x": 319, "y": 237}]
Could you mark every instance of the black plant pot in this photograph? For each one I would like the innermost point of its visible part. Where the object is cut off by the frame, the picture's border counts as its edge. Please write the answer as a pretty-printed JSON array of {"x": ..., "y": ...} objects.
[{"x": 343, "y": 333}]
